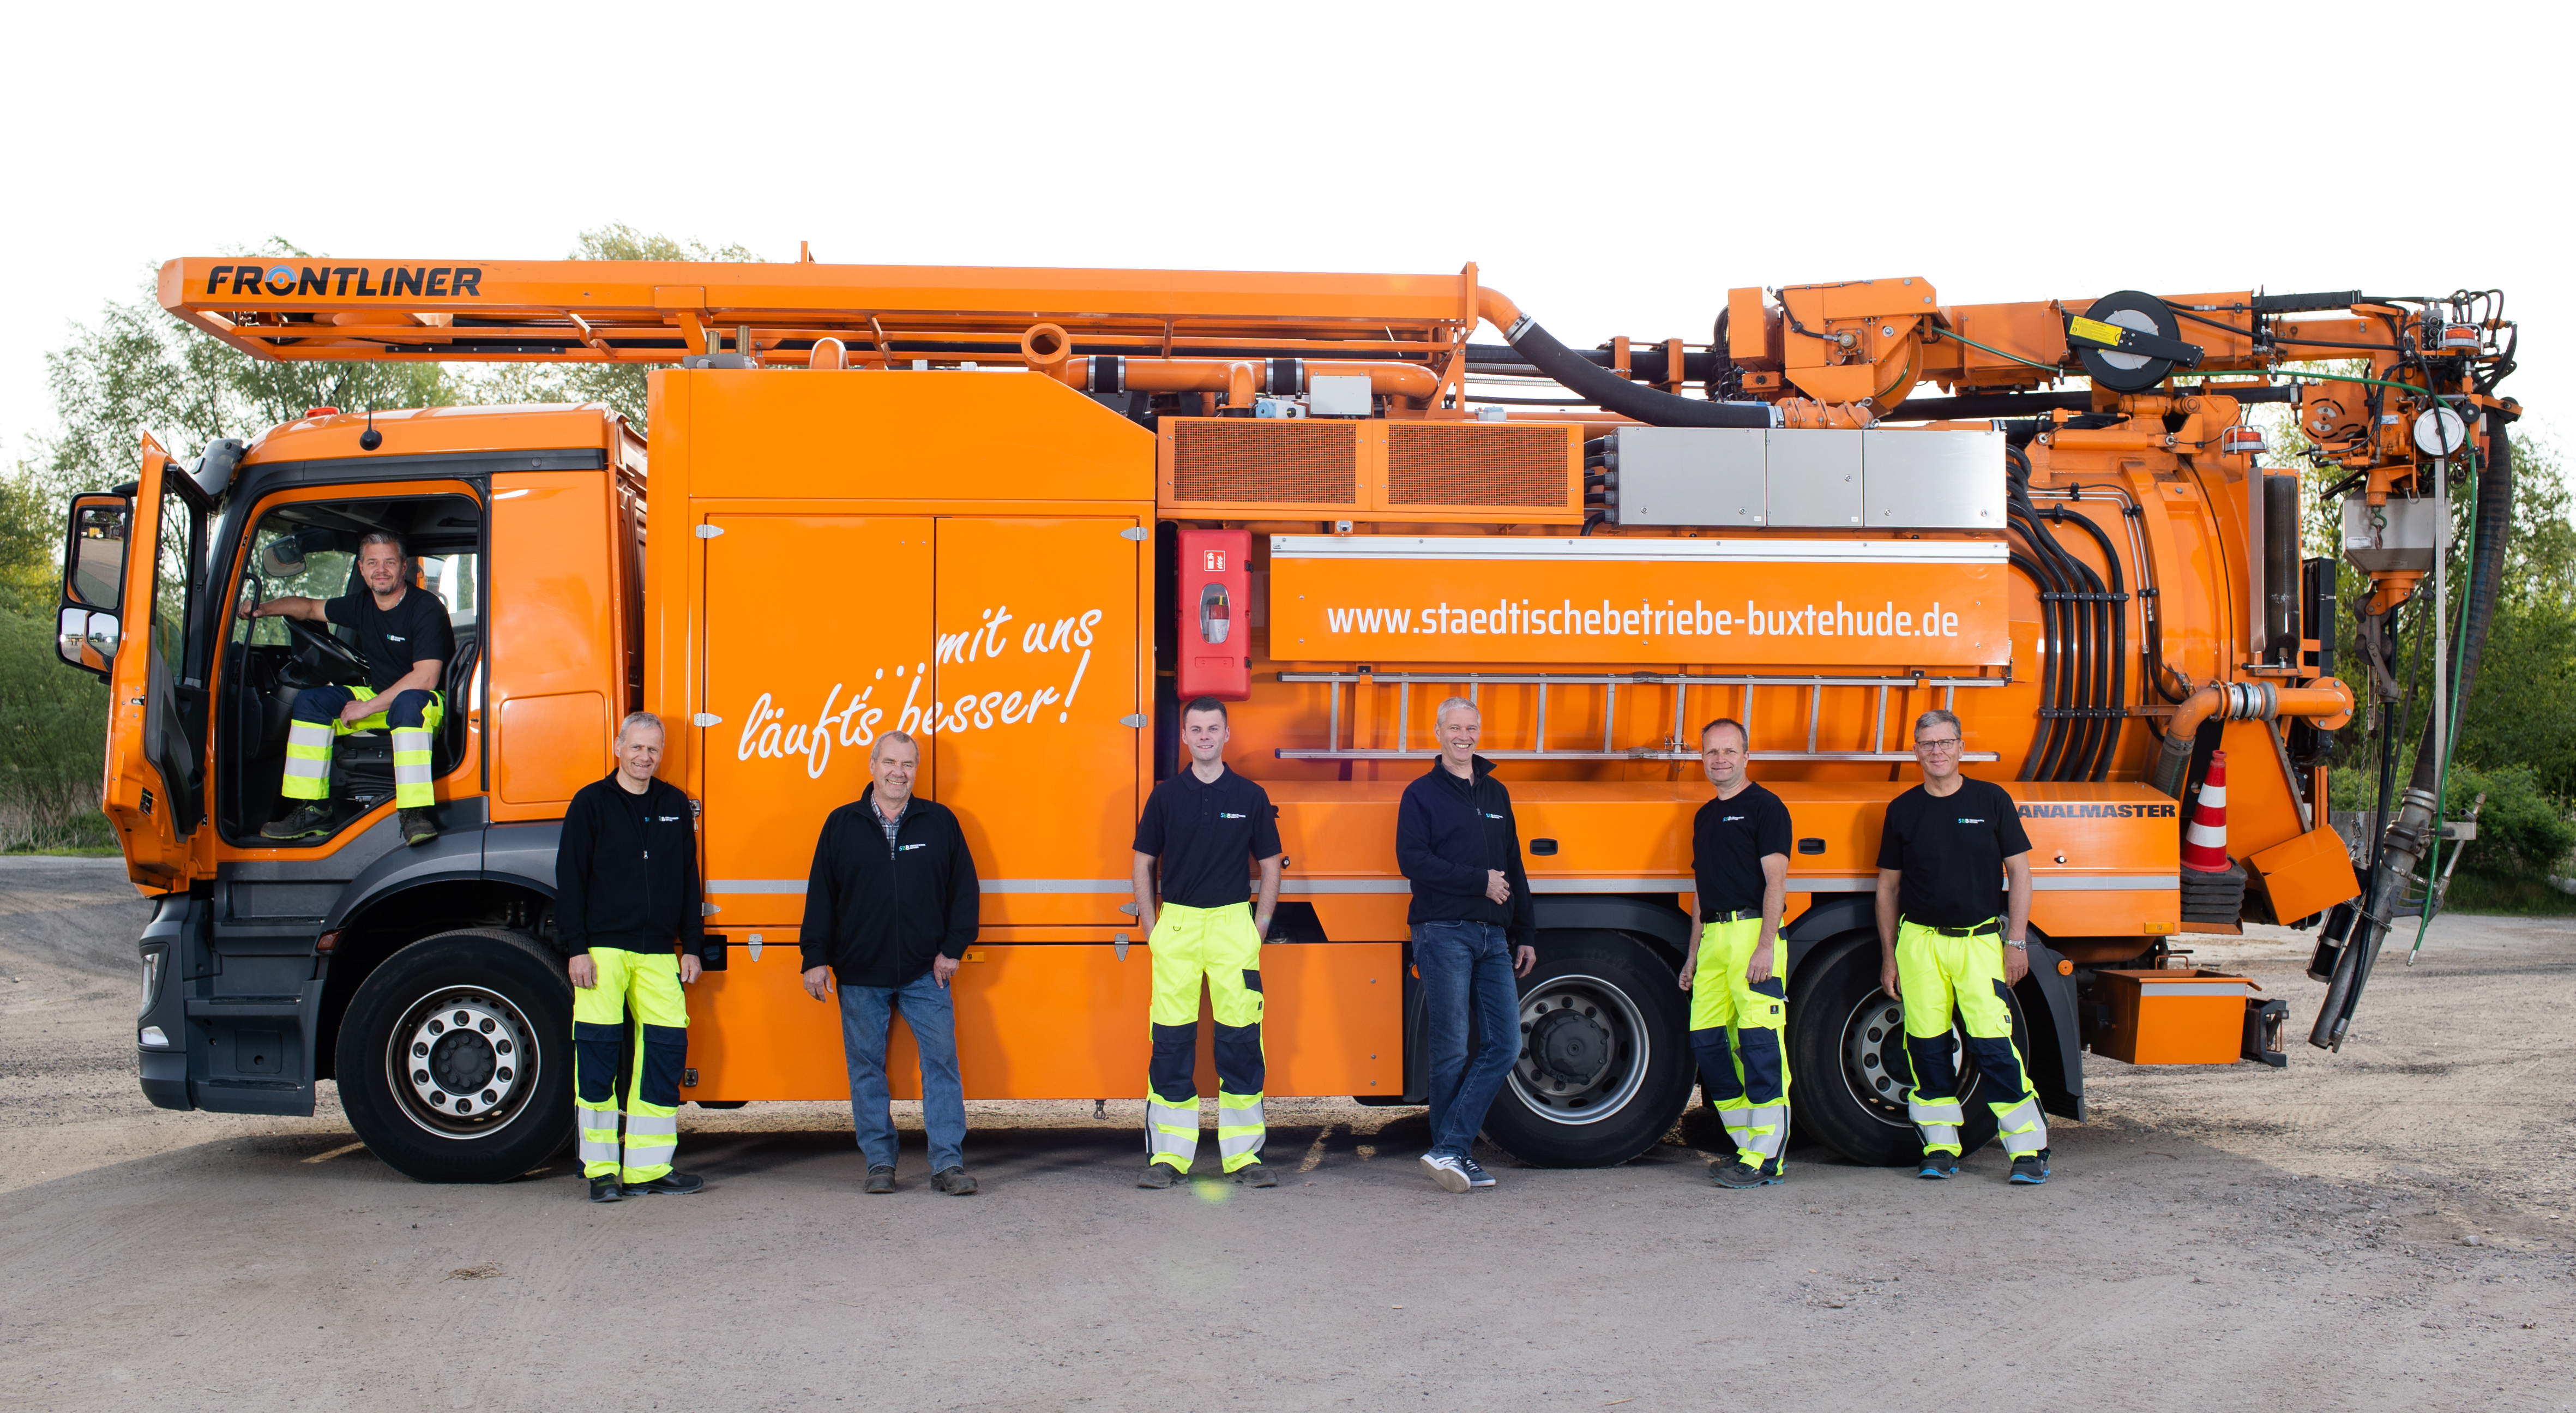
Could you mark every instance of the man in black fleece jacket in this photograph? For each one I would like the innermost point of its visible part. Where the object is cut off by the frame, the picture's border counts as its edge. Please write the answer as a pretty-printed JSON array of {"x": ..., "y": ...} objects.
[
  {"x": 626, "y": 889},
  {"x": 1473, "y": 927},
  {"x": 889, "y": 912}
]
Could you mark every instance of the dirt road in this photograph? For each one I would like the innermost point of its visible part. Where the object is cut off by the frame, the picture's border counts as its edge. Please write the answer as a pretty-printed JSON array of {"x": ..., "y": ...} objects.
[{"x": 2385, "y": 1228}]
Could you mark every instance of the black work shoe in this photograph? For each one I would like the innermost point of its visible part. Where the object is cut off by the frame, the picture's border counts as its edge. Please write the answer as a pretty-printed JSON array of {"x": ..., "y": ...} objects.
[
  {"x": 1159, "y": 1175},
  {"x": 1938, "y": 1165},
  {"x": 305, "y": 822},
  {"x": 418, "y": 826},
  {"x": 605, "y": 1189},
  {"x": 880, "y": 1180},
  {"x": 2031, "y": 1169},
  {"x": 675, "y": 1184},
  {"x": 953, "y": 1181},
  {"x": 1253, "y": 1175},
  {"x": 1740, "y": 1174}
]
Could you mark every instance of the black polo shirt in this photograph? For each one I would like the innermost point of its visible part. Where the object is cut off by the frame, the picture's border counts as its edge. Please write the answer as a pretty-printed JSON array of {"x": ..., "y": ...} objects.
[
  {"x": 1203, "y": 833},
  {"x": 1728, "y": 841},
  {"x": 392, "y": 639},
  {"x": 1952, "y": 849}
]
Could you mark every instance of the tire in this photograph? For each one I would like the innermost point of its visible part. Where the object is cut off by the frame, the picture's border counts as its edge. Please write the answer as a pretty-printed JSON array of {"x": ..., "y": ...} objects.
[
  {"x": 1613, "y": 1065},
  {"x": 1848, "y": 1071},
  {"x": 478, "y": 1020}
]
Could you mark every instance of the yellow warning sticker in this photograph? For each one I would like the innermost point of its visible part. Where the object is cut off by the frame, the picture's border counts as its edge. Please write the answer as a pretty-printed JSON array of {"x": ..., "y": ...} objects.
[{"x": 2096, "y": 330}]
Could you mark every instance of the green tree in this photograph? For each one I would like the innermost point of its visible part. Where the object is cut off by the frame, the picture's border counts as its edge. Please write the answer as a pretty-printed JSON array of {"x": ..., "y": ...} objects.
[{"x": 620, "y": 385}]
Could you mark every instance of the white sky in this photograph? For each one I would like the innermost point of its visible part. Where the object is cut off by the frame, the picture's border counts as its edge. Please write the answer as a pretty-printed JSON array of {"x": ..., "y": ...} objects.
[{"x": 1614, "y": 169}]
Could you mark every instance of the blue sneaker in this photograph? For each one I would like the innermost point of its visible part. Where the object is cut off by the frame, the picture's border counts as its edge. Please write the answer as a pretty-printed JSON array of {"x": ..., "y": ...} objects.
[
  {"x": 2031, "y": 1169},
  {"x": 1449, "y": 1172},
  {"x": 1476, "y": 1175},
  {"x": 1937, "y": 1165}
]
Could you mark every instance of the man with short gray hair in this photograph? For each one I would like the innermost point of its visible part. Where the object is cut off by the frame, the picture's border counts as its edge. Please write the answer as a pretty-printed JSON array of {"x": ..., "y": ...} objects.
[
  {"x": 1950, "y": 850},
  {"x": 1473, "y": 927},
  {"x": 626, "y": 893},
  {"x": 890, "y": 909}
]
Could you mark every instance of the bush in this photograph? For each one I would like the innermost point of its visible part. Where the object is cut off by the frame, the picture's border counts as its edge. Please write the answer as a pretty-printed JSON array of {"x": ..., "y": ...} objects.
[
  {"x": 53, "y": 741},
  {"x": 2521, "y": 831}
]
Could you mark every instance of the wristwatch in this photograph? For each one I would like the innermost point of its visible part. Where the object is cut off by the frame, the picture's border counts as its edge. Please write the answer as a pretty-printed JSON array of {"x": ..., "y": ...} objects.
[{"x": 2018, "y": 946}]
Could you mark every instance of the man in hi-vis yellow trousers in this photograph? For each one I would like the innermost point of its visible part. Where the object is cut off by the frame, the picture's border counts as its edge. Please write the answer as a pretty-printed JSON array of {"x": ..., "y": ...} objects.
[
  {"x": 1739, "y": 1007},
  {"x": 628, "y": 917},
  {"x": 1207, "y": 827}
]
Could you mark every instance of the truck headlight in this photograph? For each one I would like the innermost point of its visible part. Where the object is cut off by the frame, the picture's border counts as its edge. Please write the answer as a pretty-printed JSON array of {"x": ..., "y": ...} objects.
[
  {"x": 151, "y": 1038},
  {"x": 154, "y": 959}
]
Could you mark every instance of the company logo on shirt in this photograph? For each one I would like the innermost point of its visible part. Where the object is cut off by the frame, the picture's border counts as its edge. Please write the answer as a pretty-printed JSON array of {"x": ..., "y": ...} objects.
[
  {"x": 1493, "y": 816},
  {"x": 1229, "y": 814},
  {"x": 903, "y": 847},
  {"x": 1732, "y": 818},
  {"x": 390, "y": 638},
  {"x": 666, "y": 819},
  {"x": 1965, "y": 820}
]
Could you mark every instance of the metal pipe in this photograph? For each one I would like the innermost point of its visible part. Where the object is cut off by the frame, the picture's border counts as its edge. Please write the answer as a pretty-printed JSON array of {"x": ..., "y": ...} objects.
[{"x": 2242, "y": 701}]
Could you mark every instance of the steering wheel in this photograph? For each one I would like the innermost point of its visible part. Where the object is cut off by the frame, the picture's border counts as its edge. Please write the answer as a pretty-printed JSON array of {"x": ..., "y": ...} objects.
[{"x": 336, "y": 660}]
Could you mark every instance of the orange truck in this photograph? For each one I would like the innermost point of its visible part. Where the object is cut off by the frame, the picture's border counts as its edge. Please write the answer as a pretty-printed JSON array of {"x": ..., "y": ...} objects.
[{"x": 1024, "y": 513}]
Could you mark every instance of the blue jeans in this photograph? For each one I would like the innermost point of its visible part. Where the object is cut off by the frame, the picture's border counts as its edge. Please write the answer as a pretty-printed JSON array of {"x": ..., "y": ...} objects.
[
  {"x": 866, "y": 1014},
  {"x": 1466, "y": 973}
]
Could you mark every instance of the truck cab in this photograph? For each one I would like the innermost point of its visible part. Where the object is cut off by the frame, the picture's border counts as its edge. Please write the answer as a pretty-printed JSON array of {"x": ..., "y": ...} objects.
[{"x": 525, "y": 526}]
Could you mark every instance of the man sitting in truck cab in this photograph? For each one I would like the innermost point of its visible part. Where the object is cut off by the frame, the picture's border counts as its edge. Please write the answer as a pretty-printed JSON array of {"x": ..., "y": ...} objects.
[{"x": 403, "y": 636}]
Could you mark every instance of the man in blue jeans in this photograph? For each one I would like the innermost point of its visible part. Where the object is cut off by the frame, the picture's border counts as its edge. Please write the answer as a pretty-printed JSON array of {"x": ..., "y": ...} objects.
[
  {"x": 889, "y": 912},
  {"x": 1456, "y": 842}
]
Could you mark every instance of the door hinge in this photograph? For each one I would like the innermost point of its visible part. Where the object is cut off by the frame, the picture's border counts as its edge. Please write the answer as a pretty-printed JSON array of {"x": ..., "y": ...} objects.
[
  {"x": 709, "y": 532},
  {"x": 1137, "y": 533},
  {"x": 1132, "y": 719},
  {"x": 1121, "y": 945},
  {"x": 706, "y": 718}
]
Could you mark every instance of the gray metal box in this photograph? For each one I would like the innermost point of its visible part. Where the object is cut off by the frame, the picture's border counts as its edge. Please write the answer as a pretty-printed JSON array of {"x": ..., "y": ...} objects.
[
  {"x": 1336, "y": 395},
  {"x": 1927, "y": 480},
  {"x": 1691, "y": 476},
  {"x": 1815, "y": 478}
]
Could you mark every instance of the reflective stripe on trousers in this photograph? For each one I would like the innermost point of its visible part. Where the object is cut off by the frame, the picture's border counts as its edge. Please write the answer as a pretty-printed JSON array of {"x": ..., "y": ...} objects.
[
  {"x": 2021, "y": 1129},
  {"x": 308, "y": 762},
  {"x": 1171, "y": 1132},
  {"x": 1759, "y": 1133},
  {"x": 411, "y": 769},
  {"x": 1937, "y": 1120}
]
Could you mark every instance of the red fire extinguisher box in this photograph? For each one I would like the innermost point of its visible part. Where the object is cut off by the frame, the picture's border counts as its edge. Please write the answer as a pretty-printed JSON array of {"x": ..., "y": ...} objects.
[{"x": 1216, "y": 627}]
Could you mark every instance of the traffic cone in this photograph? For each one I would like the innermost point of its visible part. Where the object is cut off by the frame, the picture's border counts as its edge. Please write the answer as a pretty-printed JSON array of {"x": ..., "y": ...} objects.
[{"x": 2204, "y": 844}]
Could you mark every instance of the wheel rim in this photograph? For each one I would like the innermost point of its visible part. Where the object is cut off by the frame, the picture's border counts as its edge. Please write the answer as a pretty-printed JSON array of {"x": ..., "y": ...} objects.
[
  {"x": 1875, "y": 1069},
  {"x": 463, "y": 1062},
  {"x": 1584, "y": 1050}
]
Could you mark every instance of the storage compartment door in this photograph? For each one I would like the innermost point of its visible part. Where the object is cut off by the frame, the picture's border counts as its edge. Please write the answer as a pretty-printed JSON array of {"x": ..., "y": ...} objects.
[
  {"x": 1039, "y": 741},
  {"x": 817, "y": 642}
]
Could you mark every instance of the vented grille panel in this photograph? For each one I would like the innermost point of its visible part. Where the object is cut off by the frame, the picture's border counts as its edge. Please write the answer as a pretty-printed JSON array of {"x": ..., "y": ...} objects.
[
  {"x": 1475, "y": 465},
  {"x": 1266, "y": 462}
]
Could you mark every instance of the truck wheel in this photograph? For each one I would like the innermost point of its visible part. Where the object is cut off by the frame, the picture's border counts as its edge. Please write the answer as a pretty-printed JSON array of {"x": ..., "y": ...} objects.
[
  {"x": 455, "y": 1058},
  {"x": 1605, "y": 1065},
  {"x": 1848, "y": 1073}
]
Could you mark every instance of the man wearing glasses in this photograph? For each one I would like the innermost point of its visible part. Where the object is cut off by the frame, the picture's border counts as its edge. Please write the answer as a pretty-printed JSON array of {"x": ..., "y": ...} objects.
[{"x": 1946, "y": 844}]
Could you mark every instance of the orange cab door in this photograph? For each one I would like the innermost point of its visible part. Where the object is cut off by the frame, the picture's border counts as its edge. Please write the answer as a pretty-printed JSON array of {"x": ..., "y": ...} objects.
[
  {"x": 155, "y": 739},
  {"x": 1035, "y": 673},
  {"x": 818, "y": 641}
]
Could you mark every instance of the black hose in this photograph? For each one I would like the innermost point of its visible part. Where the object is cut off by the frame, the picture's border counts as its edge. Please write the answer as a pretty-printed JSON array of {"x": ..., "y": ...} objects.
[
  {"x": 2045, "y": 732},
  {"x": 2118, "y": 607},
  {"x": 2076, "y": 645},
  {"x": 1612, "y": 393},
  {"x": 2486, "y": 577}
]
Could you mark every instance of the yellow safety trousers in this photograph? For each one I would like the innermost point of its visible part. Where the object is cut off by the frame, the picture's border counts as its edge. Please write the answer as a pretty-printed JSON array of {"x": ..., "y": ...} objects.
[
  {"x": 1941, "y": 977},
  {"x": 638, "y": 1001},
  {"x": 1221, "y": 947},
  {"x": 1738, "y": 1032},
  {"x": 308, "y": 752}
]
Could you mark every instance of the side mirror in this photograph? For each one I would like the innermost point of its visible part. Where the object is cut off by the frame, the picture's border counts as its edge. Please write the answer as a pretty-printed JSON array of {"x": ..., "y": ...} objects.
[
  {"x": 94, "y": 553},
  {"x": 87, "y": 639}
]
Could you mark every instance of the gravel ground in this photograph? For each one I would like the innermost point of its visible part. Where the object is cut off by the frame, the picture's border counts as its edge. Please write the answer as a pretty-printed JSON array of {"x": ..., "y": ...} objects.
[{"x": 2381, "y": 1228}]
